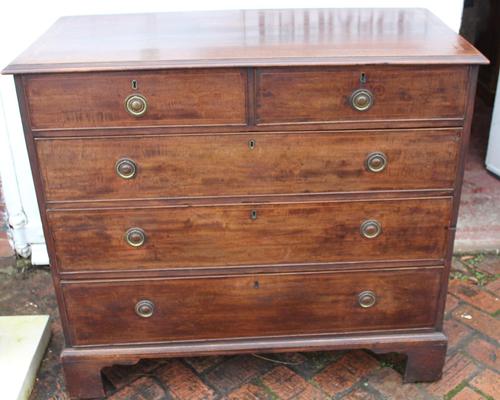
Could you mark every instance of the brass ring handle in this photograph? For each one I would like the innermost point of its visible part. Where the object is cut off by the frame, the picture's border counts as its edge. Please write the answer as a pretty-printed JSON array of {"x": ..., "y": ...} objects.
[
  {"x": 145, "y": 308},
  {"x": 136, "y": 105},
  {"x": 367, "y": 299},
  {"x": 376, "y": 162},
  {"x": 126, "y": 168},
  {"x": 135, "y": 237},
  {"x": 370, "y": 229},
  {"x": 361, "y": 99}
]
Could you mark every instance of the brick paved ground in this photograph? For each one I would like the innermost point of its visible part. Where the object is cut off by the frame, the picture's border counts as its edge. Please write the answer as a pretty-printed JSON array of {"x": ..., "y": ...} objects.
[{"x": 471, "y": 371}]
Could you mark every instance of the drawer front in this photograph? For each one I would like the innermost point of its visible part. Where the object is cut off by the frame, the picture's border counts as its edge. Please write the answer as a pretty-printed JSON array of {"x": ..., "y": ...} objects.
[
  {"x": 176, "y": 97},
  {"x": 250, "y": 306},
  {"x": 323, "y": 95},
  {"x": 253, "y": 234},
  {"x": 235, "y": 165}
]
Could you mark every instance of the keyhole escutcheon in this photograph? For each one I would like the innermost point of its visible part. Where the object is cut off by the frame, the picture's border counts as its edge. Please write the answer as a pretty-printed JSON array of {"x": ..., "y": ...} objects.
[{"x": 253, "y": 215}]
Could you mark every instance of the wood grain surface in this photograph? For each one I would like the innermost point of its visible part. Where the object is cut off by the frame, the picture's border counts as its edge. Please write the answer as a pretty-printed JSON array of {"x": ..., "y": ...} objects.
[
  {"x": 77, "y": 169},
  {"x": 319, "y": 95},
  {"x": 188, "y": 97},
  {"x": 250, "y": 306},
  {"x": 245, "y": 38},
  {"x": 211, "y": 236}
]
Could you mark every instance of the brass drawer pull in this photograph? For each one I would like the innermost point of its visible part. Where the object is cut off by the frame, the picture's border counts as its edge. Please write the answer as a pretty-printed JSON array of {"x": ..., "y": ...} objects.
[
  {"x": 136, "y": 105},
  {"x": 145, "y": 308},
  {"x": 135, "y": 237},
  {"x": 367, "y": 299},
  {"x": 361, "y": 99},
  {"x": 370, "y": 229},
  {"x": 376, "y": 162},
  {"x": 126, "y": 168}
]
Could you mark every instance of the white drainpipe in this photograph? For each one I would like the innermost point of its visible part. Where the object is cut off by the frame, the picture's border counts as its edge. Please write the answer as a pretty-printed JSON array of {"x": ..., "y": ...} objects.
[{"x": 16, "y": 216}]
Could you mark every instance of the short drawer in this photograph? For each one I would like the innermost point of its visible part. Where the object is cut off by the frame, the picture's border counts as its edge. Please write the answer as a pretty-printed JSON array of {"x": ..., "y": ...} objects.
[
  {"x": 250, "y": 306},
  {"x": 141, "y": 98},
  {"x": 360, "y": 93},
  {"x": 250, "y": 234},
  {"x": 246, "y": 164}
]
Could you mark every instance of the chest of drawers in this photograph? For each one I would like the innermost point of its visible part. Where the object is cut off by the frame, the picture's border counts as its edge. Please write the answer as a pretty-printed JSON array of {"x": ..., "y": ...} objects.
[{"x": 245, "y": 181}]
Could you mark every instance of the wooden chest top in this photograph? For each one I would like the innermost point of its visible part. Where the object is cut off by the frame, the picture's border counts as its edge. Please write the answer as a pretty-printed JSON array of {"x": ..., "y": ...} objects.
[{"x": 245, "y": 38}]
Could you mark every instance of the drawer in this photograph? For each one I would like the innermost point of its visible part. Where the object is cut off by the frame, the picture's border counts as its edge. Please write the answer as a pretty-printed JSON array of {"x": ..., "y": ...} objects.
[
  {"x": 325, "y": 95},
  {"x": 250, "y": 306},
  {"x": 246, "y": 164},
  {"x": 250, "y": 234},
  {"x": 171, "y": 98}
]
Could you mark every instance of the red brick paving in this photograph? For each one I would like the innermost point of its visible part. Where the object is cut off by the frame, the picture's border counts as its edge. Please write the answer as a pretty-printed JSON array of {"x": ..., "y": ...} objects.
[
  {"x": 472, "y": 294},
  {"x": 494, "y": 287},
  {"x": 485, "y": 352},
  {"x": 201, "y": 364},
  {"x": 232, "y": 372},
  {"x": 390, "y": 384},
  {"x": 120, "y": 375},
  {"x": 488, "y": 382},
  {"x": 478, "y": 320},
  {"x": 451, "y": 303},
  {"x": 341, "y": 375},
  {"x": 489, "y": 266},
  {"x": 7, "y": 254},
  {"x": 144, "y": 388},
  {"x": 468, "y": 394},
  {"x": 286, "y": 385},
  {"x": 6, "y": 251},
  {"x": 182, "y": 382},
  {"x": 456, "y": 332},
  {"x": 360, "y": 394},
  {"x": 250, "y": 391},
  {"x": 470, "y": 373},
  {"x": 457, "y": 369}
]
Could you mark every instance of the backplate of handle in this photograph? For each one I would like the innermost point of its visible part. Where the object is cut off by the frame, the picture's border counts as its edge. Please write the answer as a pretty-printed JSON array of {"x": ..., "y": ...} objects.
[
  {"x": 367, "y": 299},
  {"x": 370, "y": 229},
  {"x": 361, "y": 99},
  {"x": 126, "y": 168},
  {"x": 136, "y": 105},
  {"x": 144, "y": 308},
  {"x": 376, "y": 162},
  {"x": 135, "y": 237}
]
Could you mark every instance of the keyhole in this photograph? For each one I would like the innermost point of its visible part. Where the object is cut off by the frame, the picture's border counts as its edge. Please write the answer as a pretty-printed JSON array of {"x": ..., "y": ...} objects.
[
  {"x": 253, "y": 215},
  {"x": 134, "y": 84},
  {"x": 252, "y": 144},
  {"x": 256, "y": 284},
  {"x": 362, "y": 77}
]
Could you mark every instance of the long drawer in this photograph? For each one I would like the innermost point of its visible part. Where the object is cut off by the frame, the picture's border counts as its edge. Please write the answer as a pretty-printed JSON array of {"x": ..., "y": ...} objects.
[
  {"x": 250, "y": 306},
  {"x": 360, "y": 93},
  {"x": 247, "y": 164},
  {"x": 250, "y": 234},
  {"x": 198, "y": 97}
]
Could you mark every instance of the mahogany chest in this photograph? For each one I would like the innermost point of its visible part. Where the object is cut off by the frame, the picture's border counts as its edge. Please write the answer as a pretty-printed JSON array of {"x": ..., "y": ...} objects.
[{"x": 246, "y": 181}]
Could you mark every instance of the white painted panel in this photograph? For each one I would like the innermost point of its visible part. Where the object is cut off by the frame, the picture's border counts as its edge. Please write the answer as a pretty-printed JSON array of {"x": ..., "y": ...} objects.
[
  {"x": 493, "y": 154},
  {"x": 23, "y": 340},
  {"x": 24, "y": 20}
]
